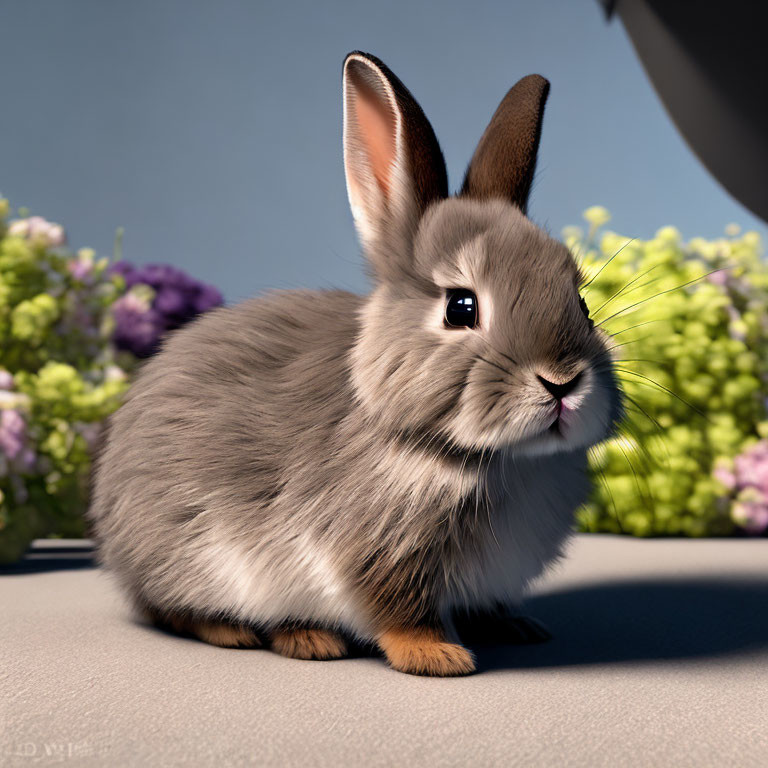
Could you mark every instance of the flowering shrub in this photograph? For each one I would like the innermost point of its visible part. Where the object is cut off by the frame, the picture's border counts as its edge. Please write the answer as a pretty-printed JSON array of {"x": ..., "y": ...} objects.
[
  {"x": 62, "y": 328},
  {"x": 160, "y": 298},
  {"x": 690, "y": 328}
]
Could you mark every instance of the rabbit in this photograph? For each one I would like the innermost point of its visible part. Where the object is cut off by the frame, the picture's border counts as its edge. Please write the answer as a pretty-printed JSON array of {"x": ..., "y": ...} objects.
[{"x": 312, "y": 469}]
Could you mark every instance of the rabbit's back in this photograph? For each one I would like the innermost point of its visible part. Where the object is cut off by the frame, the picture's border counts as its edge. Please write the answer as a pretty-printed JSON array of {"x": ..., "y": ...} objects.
[{"x": 210, "y": 431}]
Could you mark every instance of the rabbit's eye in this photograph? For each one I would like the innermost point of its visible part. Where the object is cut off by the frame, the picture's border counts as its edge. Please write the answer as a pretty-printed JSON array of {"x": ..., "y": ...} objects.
[
  {"x": 461, "y": 309},
  {"x": 585, "y": 310}
]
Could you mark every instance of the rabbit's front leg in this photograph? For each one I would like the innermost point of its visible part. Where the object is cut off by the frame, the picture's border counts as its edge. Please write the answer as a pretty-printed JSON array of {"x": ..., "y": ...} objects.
[
  {"x": 424, "y": 650},
  {"x": 403, "y": 596}
]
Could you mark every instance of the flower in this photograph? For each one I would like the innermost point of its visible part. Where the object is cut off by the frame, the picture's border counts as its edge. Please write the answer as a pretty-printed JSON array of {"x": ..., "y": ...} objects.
[
  {"x": 13, "y": 433},
  {"x": 6, "y": 380},
  {"x": 746, "y": 480},
  {"x": 719, "y": 277},
  {"x": 596, "y": 216},
  {"x": 81, "y": 267},
  {"x": 138, "y": 327},
  {"x": 175, "y": 299},
  {"x": 723, "y": 473},
  {"x": 750, "y": 511},
  {"x": 38, "y": 229}
]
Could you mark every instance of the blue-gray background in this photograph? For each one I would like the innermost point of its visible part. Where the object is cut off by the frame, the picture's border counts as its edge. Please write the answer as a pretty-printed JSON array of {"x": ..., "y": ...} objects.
[{"x": 211, "y": 130}]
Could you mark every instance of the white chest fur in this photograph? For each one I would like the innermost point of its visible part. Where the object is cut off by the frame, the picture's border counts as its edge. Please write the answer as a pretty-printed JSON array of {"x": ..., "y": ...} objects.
[{"x": 529, "y": 521}]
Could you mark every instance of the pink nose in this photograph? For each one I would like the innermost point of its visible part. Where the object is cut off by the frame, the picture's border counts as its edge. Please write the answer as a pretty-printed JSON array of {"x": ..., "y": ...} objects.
[{"x": 560, "y": 390}]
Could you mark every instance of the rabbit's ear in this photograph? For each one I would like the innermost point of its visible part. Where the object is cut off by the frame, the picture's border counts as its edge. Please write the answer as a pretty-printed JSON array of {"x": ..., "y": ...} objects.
[
  {"x": 505, "y": 159},
  {"x": 393, "y": 163}
]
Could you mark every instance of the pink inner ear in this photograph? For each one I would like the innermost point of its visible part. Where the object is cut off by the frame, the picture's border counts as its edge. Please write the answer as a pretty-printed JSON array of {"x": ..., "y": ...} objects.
[{"x": 376, "y": 123}]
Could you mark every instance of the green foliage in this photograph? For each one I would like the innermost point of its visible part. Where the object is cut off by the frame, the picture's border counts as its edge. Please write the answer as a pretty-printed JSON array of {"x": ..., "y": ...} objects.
[
  {"x": 689, "y": 323},
  {"x": 59, "y": 378}
]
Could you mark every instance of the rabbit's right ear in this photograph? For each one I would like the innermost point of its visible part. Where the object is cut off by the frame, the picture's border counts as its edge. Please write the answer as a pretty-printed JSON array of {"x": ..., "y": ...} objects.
[
  {"x": 505, "y": 159},
  {"x": 393, "y": 163}
]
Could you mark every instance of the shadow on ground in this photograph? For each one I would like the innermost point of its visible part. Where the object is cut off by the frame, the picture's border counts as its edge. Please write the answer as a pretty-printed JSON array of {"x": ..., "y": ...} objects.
[
  {"x": 625, "y": 621},
  {"x": 637, "y": 621},
  {"x": 44, "y": 558}
]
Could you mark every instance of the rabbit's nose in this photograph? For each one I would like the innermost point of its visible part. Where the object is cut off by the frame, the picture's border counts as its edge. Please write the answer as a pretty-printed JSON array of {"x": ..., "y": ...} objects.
[{"x": 560, "y": 390}]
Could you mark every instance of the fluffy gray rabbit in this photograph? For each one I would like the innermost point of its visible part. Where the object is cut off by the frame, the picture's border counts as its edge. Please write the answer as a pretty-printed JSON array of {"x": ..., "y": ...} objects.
[{"x": 314, "y": 467}]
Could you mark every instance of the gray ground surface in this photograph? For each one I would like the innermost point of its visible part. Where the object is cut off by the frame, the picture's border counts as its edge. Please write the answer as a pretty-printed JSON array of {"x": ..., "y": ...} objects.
[{"x": 660, "y": 658}]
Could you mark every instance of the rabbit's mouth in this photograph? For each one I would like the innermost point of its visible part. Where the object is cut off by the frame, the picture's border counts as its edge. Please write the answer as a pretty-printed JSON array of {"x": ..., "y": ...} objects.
[
  {"x": 558, "y": 422},
  {"x": 564, "y": 411},
  {"x": 555, "y": 428},
  {"x": 573, "y": 422}
]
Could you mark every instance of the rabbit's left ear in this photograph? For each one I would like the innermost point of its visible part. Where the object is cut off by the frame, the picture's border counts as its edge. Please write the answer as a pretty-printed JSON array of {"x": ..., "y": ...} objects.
[
  {"x": 393, "y": 163},
  {"x": 505, "y": 159}
]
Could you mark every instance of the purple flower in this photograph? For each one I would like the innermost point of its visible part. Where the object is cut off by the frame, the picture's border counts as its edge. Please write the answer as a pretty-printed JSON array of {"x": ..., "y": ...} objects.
[
  {"x": 178, "y": 298},
  {"x": 747, "y": 480},
  {"x": 719, "y": 277},
  {"x": 138, "y": 327},
  {"x": 725, "y": 476},
  {"x": 207, "y": 297},
  {"x": 13, "y": 433},
  {"x": 81, "y": 266}
]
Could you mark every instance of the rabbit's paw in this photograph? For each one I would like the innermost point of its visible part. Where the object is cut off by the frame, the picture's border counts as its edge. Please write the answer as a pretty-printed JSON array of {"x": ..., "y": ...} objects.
[
  {"x": 226, "y": 635},
  {"x": 423, "y": 651},
  {"x": 309, "y": 644}
]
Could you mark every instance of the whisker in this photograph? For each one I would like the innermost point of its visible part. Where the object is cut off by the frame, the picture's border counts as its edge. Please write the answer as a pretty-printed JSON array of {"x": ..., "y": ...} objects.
[
  {"x": 663, "y": 363},
  {"x": 640, "y": 433},
  {"x": 592, "y": 279},
  {"x": 632, "y": 327},
  {"x": 664, "y": 389},
  {"x": 644, "y": 496},
  {"x": 495, "y": 365},
  {"x": 613, "y": 501},
  {"x": 651, "y": 460},
  {"x": 487, "y": 504},
  {"x": 631, "y": 427},
  {"x": 660, "y": 293},
  {"x": 624, "y": 288},
  {"x": 644, "y": 412},
  {"x": 630, "y": 341},
  {"x": 507, "y": 357},
  {"x": 651, "y": 282}
]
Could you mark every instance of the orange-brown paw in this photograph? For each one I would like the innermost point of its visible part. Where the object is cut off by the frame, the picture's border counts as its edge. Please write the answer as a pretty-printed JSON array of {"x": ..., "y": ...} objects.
[
  {"x": 424, "y": 652},
  {"x": 226, "y": 635},
  {"x": 309, "y": 644}
]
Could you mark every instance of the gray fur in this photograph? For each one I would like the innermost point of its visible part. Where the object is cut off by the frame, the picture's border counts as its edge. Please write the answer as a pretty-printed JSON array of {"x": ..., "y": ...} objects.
[{"x": 329, "y": 459}]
